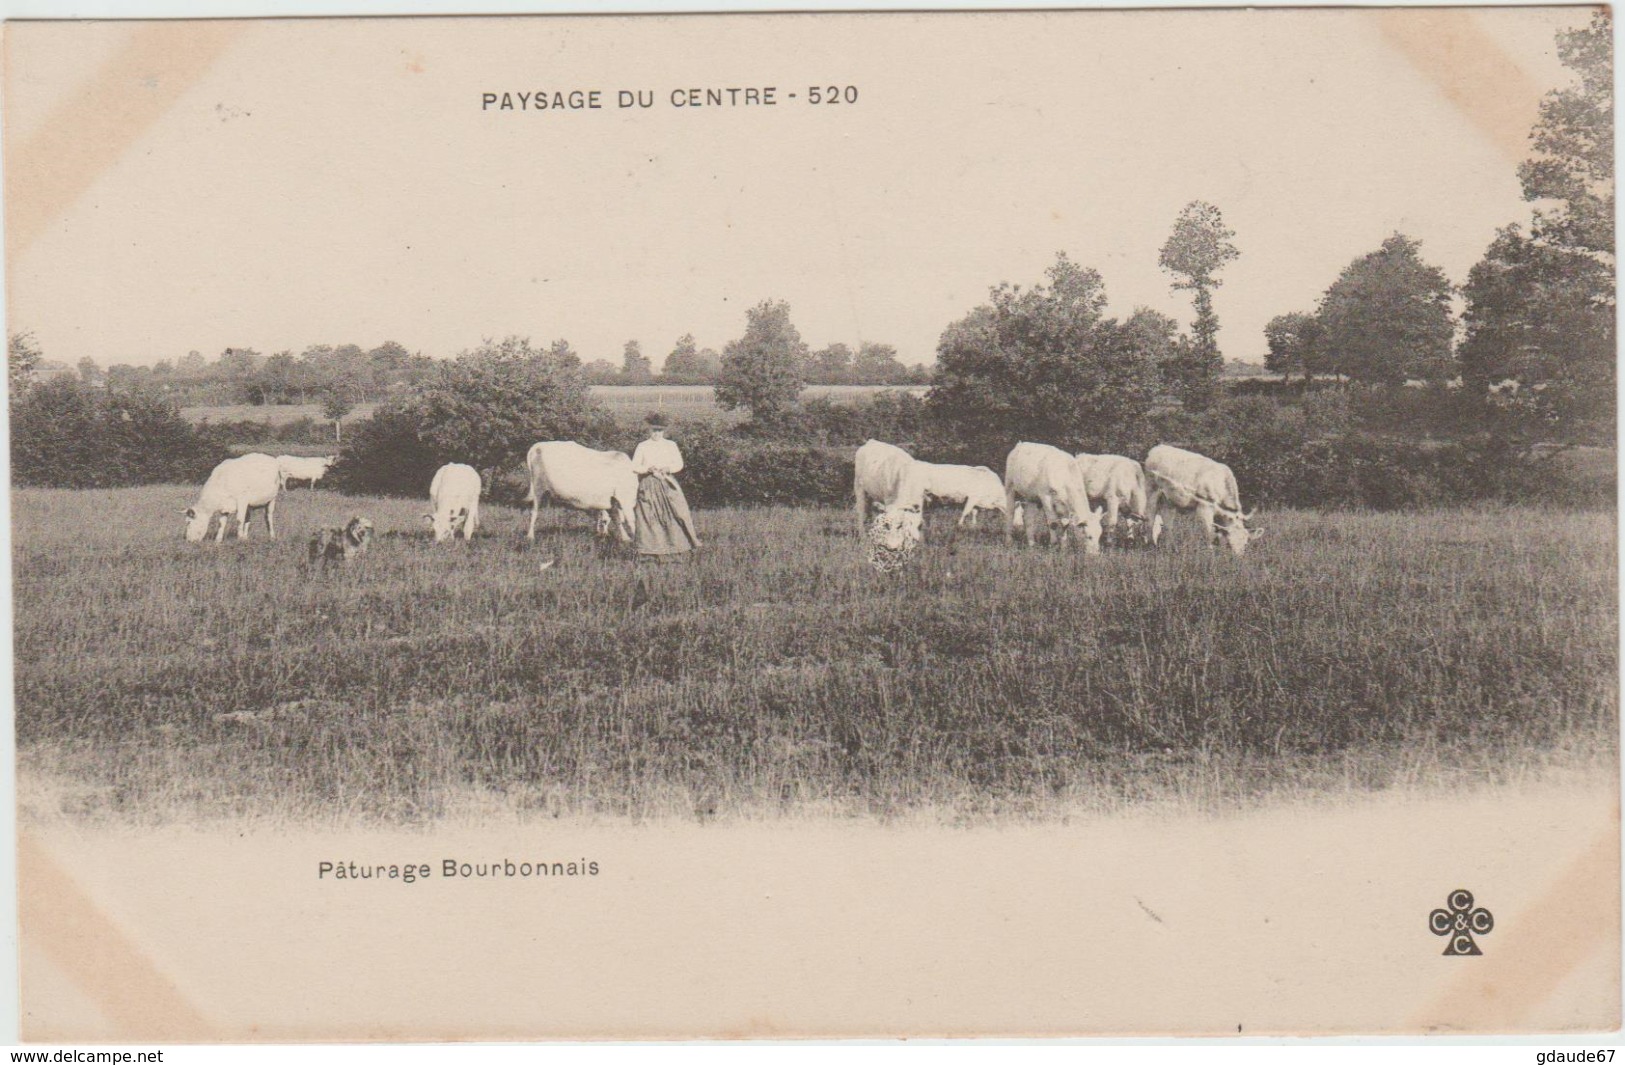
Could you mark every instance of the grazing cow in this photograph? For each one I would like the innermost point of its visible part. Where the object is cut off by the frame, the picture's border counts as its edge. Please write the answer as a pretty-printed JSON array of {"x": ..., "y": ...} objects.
[
  {"x": 1187, "y": 481},
  {"x": 579, "y": 477},
  {"x": 1118, "y": 484},
  {"x": 1048, "y": 476},
  {"x": 340, "y": 545},
  {"x": 454, "y": 502},
  {"x": 978, "y": 487},
  {"x": 886, "y": 475},
  {"x": 235, "y": 486},
  {"x": 298, "y": 468}
]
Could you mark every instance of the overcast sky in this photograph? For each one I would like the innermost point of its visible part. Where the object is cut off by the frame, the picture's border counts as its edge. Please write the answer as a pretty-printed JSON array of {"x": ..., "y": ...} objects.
[{"x": 276, "y": 184}]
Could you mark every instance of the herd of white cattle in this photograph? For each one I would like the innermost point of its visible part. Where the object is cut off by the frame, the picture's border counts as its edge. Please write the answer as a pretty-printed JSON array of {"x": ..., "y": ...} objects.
[
  {"x": 1082, "y": 497},
  {"x": 598, "y": 482}
]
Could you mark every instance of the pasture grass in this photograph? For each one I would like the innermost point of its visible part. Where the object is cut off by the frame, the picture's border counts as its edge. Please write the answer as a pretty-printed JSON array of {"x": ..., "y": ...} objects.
[{"x": 775, "y": 673}]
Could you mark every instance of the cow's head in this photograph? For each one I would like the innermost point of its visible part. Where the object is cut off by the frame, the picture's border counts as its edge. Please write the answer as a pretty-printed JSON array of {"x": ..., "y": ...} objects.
[
  {"x": 1084, "y": 523},
  {"x": 899, "y": 526},
  {"x": 197, "y": 524},
  {"x": 445, "y": 524},
  {"x": 1230, "y": 530},
  {"x": 1088, "y": 528}
]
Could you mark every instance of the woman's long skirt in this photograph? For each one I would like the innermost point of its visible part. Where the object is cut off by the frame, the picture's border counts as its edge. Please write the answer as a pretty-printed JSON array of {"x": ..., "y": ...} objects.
[{"x": 664, "y": 524}]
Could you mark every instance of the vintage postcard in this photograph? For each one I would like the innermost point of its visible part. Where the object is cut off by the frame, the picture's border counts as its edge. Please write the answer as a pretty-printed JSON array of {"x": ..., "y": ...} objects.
[{"x": 1046, "y": 523}]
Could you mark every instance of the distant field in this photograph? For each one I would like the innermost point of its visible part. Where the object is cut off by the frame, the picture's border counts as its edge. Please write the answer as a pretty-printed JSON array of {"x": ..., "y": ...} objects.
[
  {"x": 777, "y": 672},
  {"x": 273, "y": 414},
  {"x": 682, "y": 401}
]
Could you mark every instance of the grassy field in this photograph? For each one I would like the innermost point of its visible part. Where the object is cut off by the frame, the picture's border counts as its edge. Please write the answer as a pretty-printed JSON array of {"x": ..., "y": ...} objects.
[
  {"x": 777, "y": 673},
  {"x": 692, "y": 402}
]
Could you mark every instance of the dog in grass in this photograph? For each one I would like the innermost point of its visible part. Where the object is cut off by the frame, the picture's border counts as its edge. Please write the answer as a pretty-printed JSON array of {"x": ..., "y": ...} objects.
[{"x": 341, "y": 545}]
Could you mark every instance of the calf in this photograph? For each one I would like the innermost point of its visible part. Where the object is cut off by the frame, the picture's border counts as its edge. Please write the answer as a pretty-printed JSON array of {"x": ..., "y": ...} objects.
[
  {"x": 236, "y": 487},
  {"x": 887, "y": 475},
  {"x": 454, "y": 502},
  {"x": 1187, "y": 481},
  {"x": 1049, "y": 477}
]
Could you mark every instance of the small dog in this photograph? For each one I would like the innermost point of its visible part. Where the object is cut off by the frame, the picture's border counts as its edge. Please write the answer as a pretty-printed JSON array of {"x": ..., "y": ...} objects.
[{"x": 341, "y": 545}]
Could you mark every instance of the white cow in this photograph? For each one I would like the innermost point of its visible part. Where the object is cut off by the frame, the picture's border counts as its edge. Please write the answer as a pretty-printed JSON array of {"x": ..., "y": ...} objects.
[
  {"x": 579, "y": 477},
  {"x": 1048, "y": 476},
  {"x": 886, "y": 475},
  {"x": 299, "y": 468},
  {"x": 1187, "y": 481},
  {"x": 454, "y": 502},
  {"x": 978, "y": 487},
  {"x": 1119, "y": 484},
  {"x": 235, "y": 486}
]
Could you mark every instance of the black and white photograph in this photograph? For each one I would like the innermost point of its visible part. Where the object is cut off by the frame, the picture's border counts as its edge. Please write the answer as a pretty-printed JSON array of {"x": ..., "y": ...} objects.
[{"x": 1051, "y": 523}]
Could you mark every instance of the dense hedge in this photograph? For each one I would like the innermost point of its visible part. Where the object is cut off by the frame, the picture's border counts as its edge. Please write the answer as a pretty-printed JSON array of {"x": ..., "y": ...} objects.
[
  {"x": 65, "y": 434},
  {"x": 307, "y": 432},
  {"x": 722, "y": 469},
  {"x": 1317, "y": 451},
  {"x": 1329, "y": 450},
  {"x": 1324, "y": 448}
]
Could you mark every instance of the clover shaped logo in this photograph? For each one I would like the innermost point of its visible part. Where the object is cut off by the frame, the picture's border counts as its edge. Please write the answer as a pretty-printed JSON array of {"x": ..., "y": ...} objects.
[{"x": 1461, "y": 922}]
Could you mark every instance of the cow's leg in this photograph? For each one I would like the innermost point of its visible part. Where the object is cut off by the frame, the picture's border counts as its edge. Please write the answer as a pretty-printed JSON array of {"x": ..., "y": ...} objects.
[
  {"x": 535, "y": 508},
  {"x": 1010, "y": 506},
  {"x": 1204, "y": 514},
  {"x": 270, "y": 518},
  {"x": 861, "y": 507},
  {"x": 1111, "y": 518},
  {"x": 1052, "y": 518},
  {"x": 220, "y": 533},
  {"x": 968, "y": 514},
  {"x": 472, "y": 523},
  {"x": 1046, "y": 507},
  {"x": 242, "y": 521},
  {"x": 953, "y": 530},
  {"x": 1153, "y": 517}
]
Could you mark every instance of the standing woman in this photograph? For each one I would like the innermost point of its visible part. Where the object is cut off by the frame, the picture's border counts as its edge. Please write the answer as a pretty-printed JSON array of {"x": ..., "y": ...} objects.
[{"x": 664, "y": 524}]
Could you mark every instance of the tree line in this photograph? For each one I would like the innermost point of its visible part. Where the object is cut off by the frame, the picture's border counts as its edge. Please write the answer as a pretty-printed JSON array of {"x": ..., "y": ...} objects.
[
  {"x": 343, "y": 376},
  {"x": 871, "y": 363},
  {"x": 1536, "y": 334}
]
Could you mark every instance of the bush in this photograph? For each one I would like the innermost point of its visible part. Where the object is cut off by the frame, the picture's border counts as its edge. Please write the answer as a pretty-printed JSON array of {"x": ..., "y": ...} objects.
[
  {"x": 305, "y": 430},
  {"x": 386, "y": 455},
  {"x": 888, "y": 415},
  {"x": 229, "y": 433},
  {"x": 485, "y": 408},
  {"x": 779, "y": 475},
  {"x": 721, "y": 468},
  {"x": 1322, "y": 452},
  {"x": 65, "y": 434}
]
